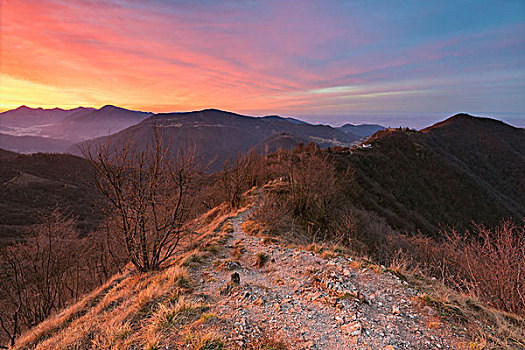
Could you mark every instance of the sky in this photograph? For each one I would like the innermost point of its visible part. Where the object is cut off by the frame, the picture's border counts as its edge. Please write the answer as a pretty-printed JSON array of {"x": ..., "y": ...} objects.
[{"x": 393, "y": 62}]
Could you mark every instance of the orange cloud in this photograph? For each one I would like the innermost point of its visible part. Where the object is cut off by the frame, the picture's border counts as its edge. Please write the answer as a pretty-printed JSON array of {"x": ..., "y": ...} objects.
[{"x": 262, "y": 57}]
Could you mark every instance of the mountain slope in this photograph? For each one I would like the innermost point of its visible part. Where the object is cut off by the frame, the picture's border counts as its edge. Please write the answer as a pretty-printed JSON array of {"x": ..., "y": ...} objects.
[
  {"x": 492, "y": 151},
  {"x": 101, "y": 122},
  {"x": 296, "y": 300},
  {"x": 220, "y": 135},
  {"x": 5, "y": 154},
  {"x": 291, "y": 120},
  {"x": 362, "y": 130},
  {"x": 33, "y": 144},
  {"x": 34, "y": 184},
  {"x": 462, "y": 170}
]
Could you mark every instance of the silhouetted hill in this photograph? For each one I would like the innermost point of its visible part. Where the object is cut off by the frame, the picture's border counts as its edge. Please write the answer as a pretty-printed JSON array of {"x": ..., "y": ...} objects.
[
  {"x": 25, "y": 117},
  {"x": 73, "y": 125},
  {"x": 31, "y": 185},
  {"x": 100, "y": 122},
  {"x": 461, "y": 170},
  {"x": 491, "y": 151},
  {"x": 362, "y": 130},
  {"x": 33, "y": 144},
  {"x": 291, "y": 120},
  {"x": 220, "y": 135},
  {"x": 5, "y": 154}
]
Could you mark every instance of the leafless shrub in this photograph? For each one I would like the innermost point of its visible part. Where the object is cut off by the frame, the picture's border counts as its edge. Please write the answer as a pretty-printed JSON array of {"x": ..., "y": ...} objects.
[
  {"x": 489, "y": 264},
  {"x": 486, "y": 264},
  {"x": 150, "y": 191},
  {"x": 34, "y": 273},
  {"x": 50, "y": 268},
  {"x": 239, "y": 175},
  {"x": 310, "y": 196}
]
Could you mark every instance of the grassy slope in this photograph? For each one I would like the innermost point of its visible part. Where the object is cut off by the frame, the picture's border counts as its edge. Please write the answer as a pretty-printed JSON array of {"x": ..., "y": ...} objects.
[{"x": 146, "y": 311}]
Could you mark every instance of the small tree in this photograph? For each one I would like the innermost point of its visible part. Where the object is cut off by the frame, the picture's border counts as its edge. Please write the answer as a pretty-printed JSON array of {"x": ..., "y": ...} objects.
[
  {"x": 38, "y": 274},
  {"x": 239, "y": 175},
  {"x": 149, "y": 189}
]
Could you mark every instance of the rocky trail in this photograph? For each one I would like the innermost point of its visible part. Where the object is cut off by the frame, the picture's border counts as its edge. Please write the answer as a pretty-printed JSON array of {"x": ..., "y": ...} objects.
[{"x": 263, "y": 290}]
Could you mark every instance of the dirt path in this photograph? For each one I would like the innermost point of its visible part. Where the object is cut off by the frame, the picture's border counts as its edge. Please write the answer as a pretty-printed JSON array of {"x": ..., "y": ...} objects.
[{"x": 311, "y": 302}]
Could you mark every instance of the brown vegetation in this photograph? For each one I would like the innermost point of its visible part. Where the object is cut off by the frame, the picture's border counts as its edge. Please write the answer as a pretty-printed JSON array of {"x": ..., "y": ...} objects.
[
  {"x": 53, "y": 180},
  {"x": 308, "y": 198},
  {"x": 486, "y": 264},
  {"x": 51, "y": 268},
  {"x": 149, "y": 192}
]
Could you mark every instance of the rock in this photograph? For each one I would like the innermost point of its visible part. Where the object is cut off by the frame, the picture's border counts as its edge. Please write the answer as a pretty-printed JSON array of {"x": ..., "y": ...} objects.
[
  {"x": 234, "y": 281},
  {"x": 235, "y": 278},
  {"x": 395, "y": 310},
  {"x": 354, "y": 328}
]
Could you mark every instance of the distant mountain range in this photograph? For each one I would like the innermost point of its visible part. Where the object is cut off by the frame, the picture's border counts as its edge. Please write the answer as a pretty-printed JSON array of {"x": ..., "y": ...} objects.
[
  {"x": 35, "y": 118},
  {"x": 101, "y": 122},
  {"x": 28, "y": 130},
  {"x": 363, "y": 130},
  {"x": 461, "y": 170},
  {"x": 72, "y": 125},
  {"x": 220, "y": 135}
]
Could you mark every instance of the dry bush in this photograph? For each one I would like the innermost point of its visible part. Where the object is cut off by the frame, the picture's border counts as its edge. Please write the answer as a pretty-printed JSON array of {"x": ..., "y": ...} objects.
[
  {"x": 239, "y": 175},
  {"x": 46, "y": 271},
  {"x": 489, "y": 264},
  {"x": 151, "y": 191},
  {"x": 486, "y": 264},
  {"x": 309, "y": 198}
]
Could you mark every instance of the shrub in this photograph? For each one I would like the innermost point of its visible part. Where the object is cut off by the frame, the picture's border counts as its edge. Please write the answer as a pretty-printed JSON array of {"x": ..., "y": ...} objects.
[
  {"x": 489, "y": 264},
  {"x": 309, "y": 199},
  {"x": 150, "y": 191}
]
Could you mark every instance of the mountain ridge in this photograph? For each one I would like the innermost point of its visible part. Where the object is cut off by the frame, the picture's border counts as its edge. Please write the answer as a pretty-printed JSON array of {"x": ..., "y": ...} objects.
[
  {"x": 450, "y": 174},
  {"x": 229, "y": 133}
]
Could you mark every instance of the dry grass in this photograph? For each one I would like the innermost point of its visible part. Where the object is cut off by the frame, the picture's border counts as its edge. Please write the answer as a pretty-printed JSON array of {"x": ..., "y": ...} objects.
[
  {"x": 488, "y": 327},
  {"x": 116, "y": 320},
  {"x": 135, "y": 310},
  {"x": 208, "y": 341},
  {"x": 254, "y": 228},
  {"x": 192, "y": 259},
  {"x": 173, "y": 315}
]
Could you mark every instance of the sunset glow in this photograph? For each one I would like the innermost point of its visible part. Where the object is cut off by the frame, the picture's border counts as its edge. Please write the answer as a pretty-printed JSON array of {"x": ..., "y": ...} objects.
[{"x": 320, "y": 58}]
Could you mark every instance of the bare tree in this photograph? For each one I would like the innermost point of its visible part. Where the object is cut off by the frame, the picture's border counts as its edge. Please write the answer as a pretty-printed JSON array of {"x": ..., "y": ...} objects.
[
  {"x": 37, "y": 274},
  {"x": 241, "y": 174},
  {"x": 150, "y": 191},
  {"x": 312, "y": 196}
]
